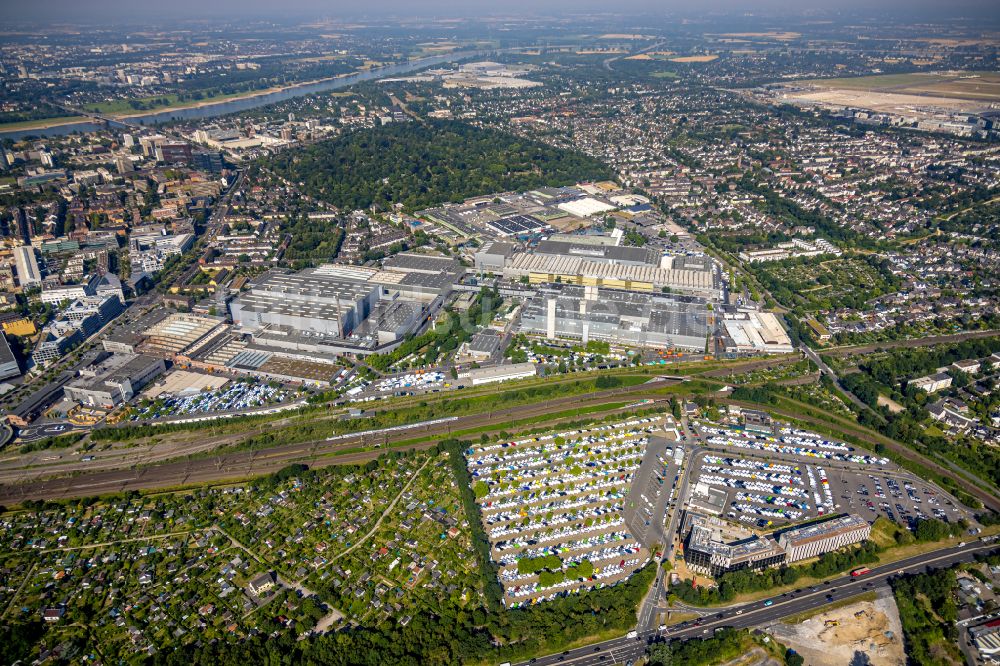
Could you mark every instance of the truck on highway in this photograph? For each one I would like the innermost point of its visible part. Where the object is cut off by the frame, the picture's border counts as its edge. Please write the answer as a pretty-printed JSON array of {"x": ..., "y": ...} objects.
[{"x": 861, "y": 571}]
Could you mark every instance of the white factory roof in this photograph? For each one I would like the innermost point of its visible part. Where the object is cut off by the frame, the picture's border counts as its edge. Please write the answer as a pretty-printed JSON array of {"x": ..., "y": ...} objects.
[
  {"x": 585, "y": 207},
  {"x": 760, "y": 330},
  {"x": 565, "y": 265}
]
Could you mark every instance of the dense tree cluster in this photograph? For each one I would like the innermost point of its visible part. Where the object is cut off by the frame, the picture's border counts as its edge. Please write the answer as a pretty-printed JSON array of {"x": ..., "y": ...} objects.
[
  {"x": 909, "y": 363},
  {"x": 487, "y": 633},
  {"x": 885, "y": 374},
  {"x": 766, "y": 394},
  {"x": 445, "y": 337},
  {"x": 928, "y": 612},
  {"x": 725, "y": 645},
  {"x": 420, "y": 164}
]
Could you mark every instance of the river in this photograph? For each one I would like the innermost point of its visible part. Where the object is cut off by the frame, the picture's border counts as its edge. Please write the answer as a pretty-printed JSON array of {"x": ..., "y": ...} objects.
[{"x": 253, "y": 102}]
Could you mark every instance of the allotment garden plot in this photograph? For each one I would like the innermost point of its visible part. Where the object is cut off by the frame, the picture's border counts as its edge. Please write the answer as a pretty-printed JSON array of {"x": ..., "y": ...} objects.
[
  {"x": 553, "y": 508},
  {"x": 822, "y": 285}
]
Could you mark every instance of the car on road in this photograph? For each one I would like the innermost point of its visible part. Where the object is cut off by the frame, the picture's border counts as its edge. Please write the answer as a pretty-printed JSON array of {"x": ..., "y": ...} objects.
[
  {"x": 768, "y": 603},
  {"x": 739, "y": 612}
]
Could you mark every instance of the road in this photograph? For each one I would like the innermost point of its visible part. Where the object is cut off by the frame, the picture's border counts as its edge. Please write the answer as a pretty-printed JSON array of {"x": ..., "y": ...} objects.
[
  {"x": 824, "y": 368},
  {"x": 621, "y": 650},
  {"x": 225, "y": 466},
  {"x": 213, "y": 224},
  {"x": 642, "y": 518},
  {"x": 651, "y": 606}
]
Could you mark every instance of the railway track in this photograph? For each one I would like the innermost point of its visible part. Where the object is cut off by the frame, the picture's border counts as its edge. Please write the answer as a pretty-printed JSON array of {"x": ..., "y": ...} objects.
[{"x": 243, "y": 464}]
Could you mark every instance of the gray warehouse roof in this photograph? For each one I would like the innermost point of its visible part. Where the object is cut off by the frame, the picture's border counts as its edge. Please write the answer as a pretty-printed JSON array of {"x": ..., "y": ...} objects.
[{"x": 608, "y": 253}]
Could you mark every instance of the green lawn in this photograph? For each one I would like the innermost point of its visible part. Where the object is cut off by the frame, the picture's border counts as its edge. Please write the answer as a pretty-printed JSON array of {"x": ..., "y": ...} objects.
[
  {"x": 124, "y": 107},
  {"x": 880, "y": 81}
]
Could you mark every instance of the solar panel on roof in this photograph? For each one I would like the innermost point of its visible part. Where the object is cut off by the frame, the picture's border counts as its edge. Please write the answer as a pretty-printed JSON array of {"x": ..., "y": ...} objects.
[{"x": 247, "y": 359}]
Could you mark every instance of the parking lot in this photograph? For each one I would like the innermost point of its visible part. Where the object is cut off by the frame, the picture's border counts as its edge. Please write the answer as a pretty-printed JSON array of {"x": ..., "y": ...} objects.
[
  {"x": 791, "y": 475},
  {"x": 411, "y": 381},
  {"x": 654, "y": 490},
  {"x": 236, "y": 395},
  {"x": 553, "y": 507}
]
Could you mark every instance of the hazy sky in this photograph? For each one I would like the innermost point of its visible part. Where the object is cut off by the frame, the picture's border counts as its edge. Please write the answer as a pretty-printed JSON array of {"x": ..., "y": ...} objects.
[{"x": 59, "y": 10}]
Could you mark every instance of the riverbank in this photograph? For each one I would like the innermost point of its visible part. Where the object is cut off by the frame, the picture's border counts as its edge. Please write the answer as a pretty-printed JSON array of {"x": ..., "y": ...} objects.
[
  {"x": 42, "y": 123},
  {"x": 212, "y": 101},
  {"x": 238, "y": 102}
]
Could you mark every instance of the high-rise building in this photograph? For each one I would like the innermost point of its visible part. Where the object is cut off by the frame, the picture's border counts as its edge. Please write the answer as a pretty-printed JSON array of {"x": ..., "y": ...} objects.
[
  {"x": 210, "y": 161},
  {"x": 171, "y": 153}
]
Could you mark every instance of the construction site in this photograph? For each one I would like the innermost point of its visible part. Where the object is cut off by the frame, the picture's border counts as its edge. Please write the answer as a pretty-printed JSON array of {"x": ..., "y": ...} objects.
[{"x": 869, "y": 628}]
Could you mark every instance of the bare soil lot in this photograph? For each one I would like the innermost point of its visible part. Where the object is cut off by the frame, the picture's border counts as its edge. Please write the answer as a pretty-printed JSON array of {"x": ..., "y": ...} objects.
[{"x": 834, "y": 637}]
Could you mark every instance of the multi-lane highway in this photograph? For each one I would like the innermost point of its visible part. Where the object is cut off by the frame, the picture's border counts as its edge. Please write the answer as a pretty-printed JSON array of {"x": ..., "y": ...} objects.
[{"x": 625, "y": 649}]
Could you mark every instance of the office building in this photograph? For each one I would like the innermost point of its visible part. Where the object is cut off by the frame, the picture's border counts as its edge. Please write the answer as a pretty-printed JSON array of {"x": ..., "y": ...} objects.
[
  {"x": 149, "y": 251},
  {"x": 57, "y": 338},
  {"x": 714, "y": 548},
  {"x": 209, "y": 161},
  {"x": 58, "y": 294},
  {"x": 173, "y": 153},
  {"x": 813, "y": 540},
  {"x": 105, "y": 308},
  {"x": 707, "y": 551}
]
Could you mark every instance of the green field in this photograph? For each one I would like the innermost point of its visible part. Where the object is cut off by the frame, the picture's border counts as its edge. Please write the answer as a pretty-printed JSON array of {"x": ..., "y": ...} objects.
[
  {"x": 167, "y": 101},
  {"x": 41, "y": 123},
  {"x": 958, "y": 85},
  {"x": 880, "y": 81}
]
